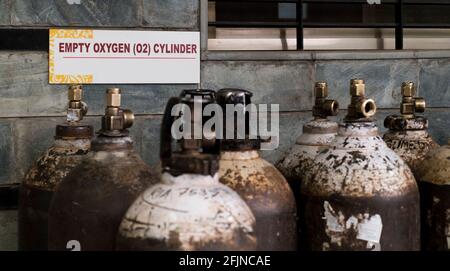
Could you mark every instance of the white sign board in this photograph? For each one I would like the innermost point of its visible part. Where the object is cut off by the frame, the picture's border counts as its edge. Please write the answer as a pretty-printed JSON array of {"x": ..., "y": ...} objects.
[{"x": 123, "y": 57}]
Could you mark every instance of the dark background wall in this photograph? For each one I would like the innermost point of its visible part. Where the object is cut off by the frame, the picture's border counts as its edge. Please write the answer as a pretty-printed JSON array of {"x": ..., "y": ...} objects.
[{"x": 30, "y": 107}]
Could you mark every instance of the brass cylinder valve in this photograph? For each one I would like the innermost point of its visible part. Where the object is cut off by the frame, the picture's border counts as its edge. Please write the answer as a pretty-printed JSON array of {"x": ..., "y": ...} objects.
[
  {"x": 411, "y": 104},
  {"x": 408, "y": 108},
  {"x": 360, "y": 107},
  {"x": 76, "y": 109},
  {"x": 116, "y": 120},
  {"x": 323, "y": 107}
]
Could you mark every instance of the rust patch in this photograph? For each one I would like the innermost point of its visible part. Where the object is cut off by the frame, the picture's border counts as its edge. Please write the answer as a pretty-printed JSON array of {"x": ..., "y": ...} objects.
[
  {"x": 411, "y": 146},
  {"x": 269, "y": 197},
  {"x": 37, "y": 189},
  {"x": 92, "y": 199}
]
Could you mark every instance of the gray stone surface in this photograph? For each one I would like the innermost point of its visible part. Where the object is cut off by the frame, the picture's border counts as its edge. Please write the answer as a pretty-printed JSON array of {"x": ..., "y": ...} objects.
[
  {"x": 288, "y": 83},
  {"x": 24, "y": 90},
  {"x": 171, "y": 13},
  {"x": 8, "y": 230},
  {"x": 383, "y": 79},
  {"x": 76, "y": 12},
  {"x": 5, "y": 12},
  {"x": 149, "y": 135},
  {"x": 434, "y": 82},
  {"x": 6, "y": 150}
]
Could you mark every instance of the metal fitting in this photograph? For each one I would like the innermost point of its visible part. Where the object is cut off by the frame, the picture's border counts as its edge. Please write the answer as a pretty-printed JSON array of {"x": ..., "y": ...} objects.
[
  {"x": 116, "y": 120},
  {"x": 76, "y": 109},
  {"x": 411, "y": 104},
  {"x": 75, "y": 93},
  {"x": 113, "y": 97},
  {"x": 357, "y": 87},
  {"x": 360, "y": 107},
  {"x": 323, "y": 107}
]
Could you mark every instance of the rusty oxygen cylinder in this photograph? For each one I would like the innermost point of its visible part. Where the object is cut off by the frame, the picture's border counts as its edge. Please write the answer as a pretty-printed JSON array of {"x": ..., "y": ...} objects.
[
  {"x": 317, "y": 134},
  {"x": 258, "y": 182},
  {"x": 360, "y": 195},
  {"x": 72, "y": 142},
  {"x": 433, "y": 177},
  {"x": 90, "y": 202},
  {"x": 189, "y": 209},
  {"x": 407, "y": 134}
]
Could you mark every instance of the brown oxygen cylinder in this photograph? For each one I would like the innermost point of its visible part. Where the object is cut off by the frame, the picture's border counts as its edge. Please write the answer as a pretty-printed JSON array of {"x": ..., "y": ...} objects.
[
  {"x": 433, "y": 176},
  {"x": 317, "y": 134},
  {"x": 258, "y": 182},
  {"x": 72, "y": 142},
  {"x": 361, "y": 195},
  {"x": 408, "y": 135},
  {"x": 189, "y": 209},
  {"x": 90, "y": 202}
]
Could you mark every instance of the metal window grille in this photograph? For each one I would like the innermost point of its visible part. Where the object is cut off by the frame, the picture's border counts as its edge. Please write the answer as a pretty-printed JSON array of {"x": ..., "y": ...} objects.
[{"x": 299, "y": 24}]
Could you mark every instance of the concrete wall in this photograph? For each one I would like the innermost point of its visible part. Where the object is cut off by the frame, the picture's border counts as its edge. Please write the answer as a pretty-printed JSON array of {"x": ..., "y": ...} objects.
[{"x": 30, "y": 107}]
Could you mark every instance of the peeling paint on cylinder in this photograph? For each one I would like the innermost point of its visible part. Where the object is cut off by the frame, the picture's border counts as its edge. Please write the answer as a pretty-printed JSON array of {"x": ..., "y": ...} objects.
[
  {"x": 317, "y": 134},
  {"x": 37, "y": 189},
  {"x": 267, "y": 194},
  {"x": 189, "y": 212},
  {"x": 91, "y": 201},
  {"x": 411, "y": 145},
  {"x": 434, "y": 182},
  {"x": 368, "y": 191}
]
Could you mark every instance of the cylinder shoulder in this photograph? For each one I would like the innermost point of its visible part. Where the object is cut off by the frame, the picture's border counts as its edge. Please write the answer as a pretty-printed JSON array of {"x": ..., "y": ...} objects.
[
  {"x": 189, "y": 217},
  {"x": 103, "y": 175},
  {"x": 360, "y": 172},
  {"x": 258, "y": 182},
  {"x": 435, "y": 168},
  {"x": 50, "y": 168}
]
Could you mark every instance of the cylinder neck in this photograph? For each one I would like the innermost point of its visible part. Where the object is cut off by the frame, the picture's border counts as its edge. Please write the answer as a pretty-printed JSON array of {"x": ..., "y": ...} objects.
[
  {"x": 107, "y": 143},
  {"x": 239, "y": 155},
  {"x": 190, "y": 179},
  {"x": 72, "y": 146},
  {"x": 358, "y": 129},
  {"x": 320, "y": 126}
]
